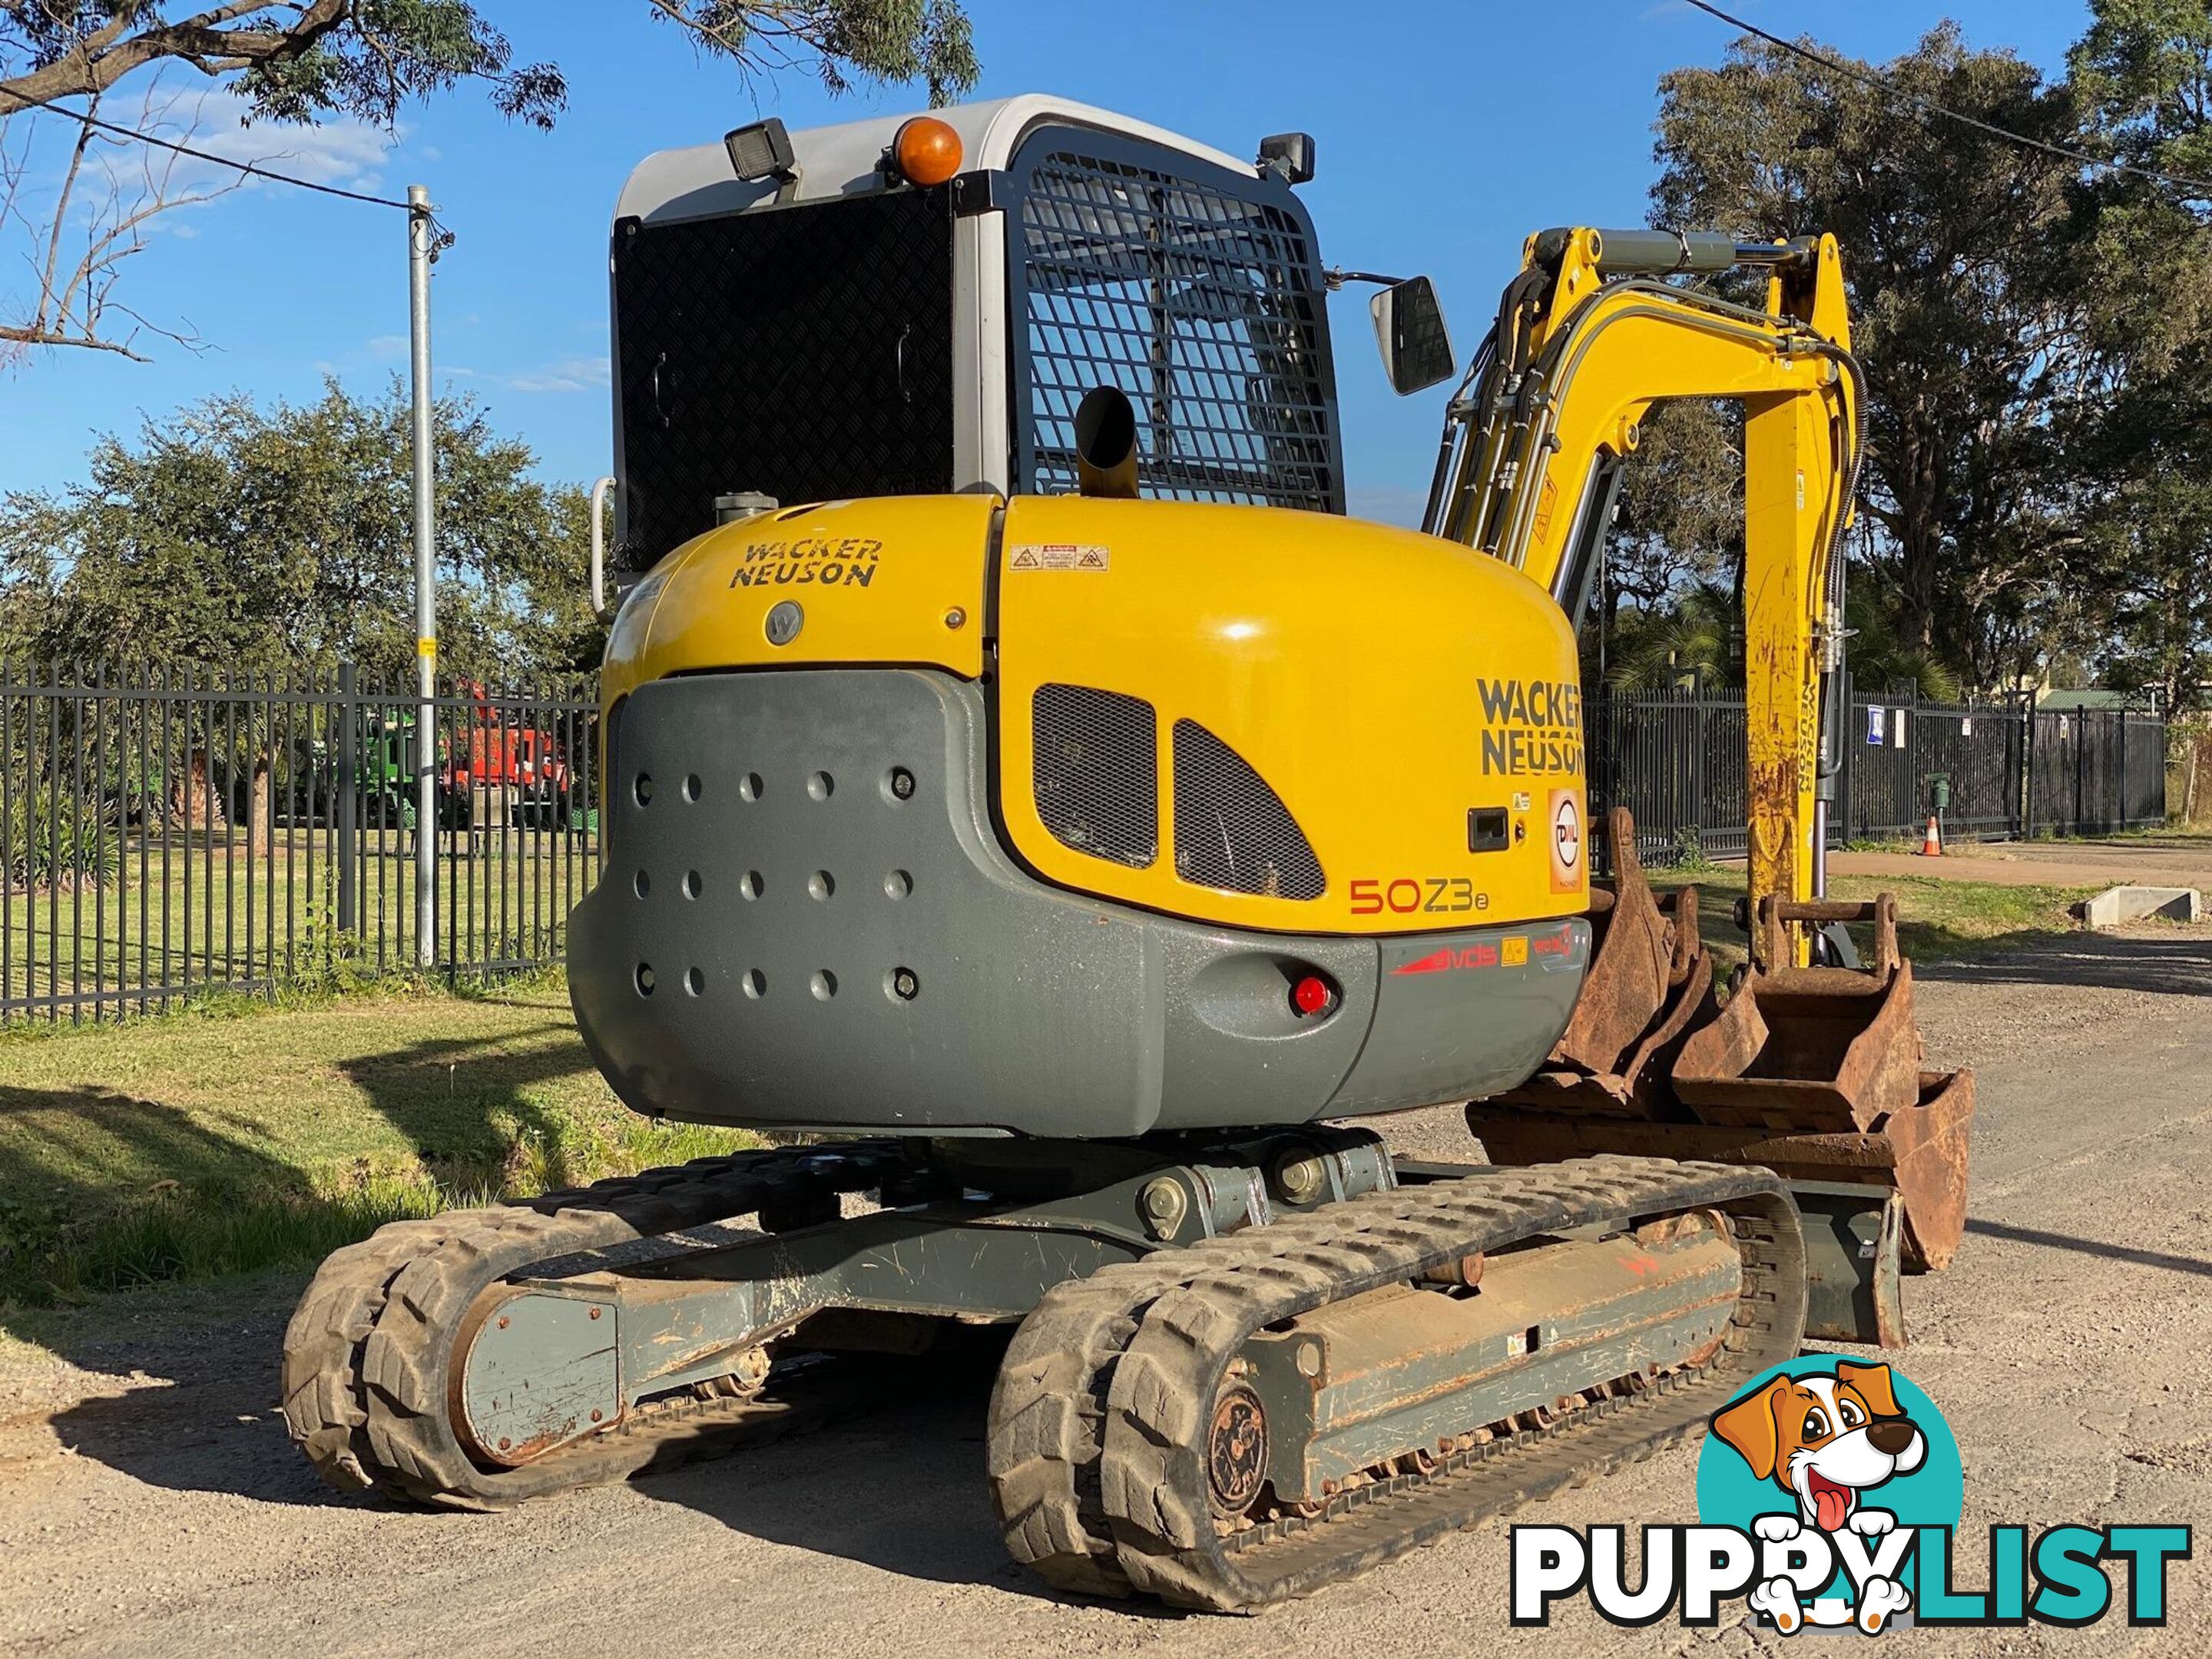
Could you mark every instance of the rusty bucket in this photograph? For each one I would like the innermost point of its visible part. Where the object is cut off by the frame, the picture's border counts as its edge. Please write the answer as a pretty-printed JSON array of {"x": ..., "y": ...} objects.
[
  {"x": 1813, "y": 1072},
  {"x": 1650, "y": 982},
  {"x": 1809, "y": 1049}
]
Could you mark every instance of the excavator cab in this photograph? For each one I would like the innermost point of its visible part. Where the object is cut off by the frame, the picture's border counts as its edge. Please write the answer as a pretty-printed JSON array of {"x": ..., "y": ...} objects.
[{"x": 909, "y": 307}]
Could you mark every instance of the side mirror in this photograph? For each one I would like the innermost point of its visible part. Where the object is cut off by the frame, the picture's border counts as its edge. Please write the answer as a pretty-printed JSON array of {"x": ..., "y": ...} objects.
[{"x": 1409, "y": 329}]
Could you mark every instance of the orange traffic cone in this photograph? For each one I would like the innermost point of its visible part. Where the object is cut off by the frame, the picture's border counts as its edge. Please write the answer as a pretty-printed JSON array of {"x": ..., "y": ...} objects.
[{"x": 1931, "y": 845}]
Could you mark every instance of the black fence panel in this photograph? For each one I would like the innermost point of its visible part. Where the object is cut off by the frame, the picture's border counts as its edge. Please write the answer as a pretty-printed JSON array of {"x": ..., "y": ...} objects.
[
  {"x": 2142, "y": 786},
  {"x": 165, "y": 835},
  {"x": 2093, "y": 771},
  {"x": 1677, "y": 761},
  {"x": 1900, "y": 754}
]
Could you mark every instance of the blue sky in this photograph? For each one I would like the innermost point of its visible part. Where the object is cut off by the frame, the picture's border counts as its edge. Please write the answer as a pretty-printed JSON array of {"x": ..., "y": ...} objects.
[{"x": 1446, "y": 132}]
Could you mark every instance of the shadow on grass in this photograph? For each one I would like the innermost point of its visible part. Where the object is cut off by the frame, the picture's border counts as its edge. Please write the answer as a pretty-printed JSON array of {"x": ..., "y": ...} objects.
[
  {"x": 111, "y": 1204},
  {"x": 464, "y": 1105},
  {"x": 100, "y": 1191}
]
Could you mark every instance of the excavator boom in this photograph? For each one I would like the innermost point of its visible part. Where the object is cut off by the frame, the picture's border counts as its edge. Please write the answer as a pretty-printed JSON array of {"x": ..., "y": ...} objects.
[
  {"x": 1814, "y": 1070},
  {"x": 1590, "y": 337}
]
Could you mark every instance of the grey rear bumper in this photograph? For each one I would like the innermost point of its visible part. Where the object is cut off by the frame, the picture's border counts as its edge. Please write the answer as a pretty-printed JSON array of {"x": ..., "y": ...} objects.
[{"x": 743, "y": 960}]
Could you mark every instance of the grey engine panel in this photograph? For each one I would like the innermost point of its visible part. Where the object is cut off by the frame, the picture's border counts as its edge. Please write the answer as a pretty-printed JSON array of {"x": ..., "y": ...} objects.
[{"x": 1037, "y": 1011}]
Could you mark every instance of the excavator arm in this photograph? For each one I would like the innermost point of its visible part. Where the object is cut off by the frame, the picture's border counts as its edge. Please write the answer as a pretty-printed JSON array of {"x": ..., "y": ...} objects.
[
  {"x": 1588, "y": 337},
  {"x": 1811, "y": 1070}
]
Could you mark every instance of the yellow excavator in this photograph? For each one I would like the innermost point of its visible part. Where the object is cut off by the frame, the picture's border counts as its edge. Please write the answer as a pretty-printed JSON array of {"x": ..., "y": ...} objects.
[{"x": 1034, "y": 804}]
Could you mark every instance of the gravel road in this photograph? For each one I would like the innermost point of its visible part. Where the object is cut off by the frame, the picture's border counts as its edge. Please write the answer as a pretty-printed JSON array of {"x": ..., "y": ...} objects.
[{"x": 150, "y": 1504}]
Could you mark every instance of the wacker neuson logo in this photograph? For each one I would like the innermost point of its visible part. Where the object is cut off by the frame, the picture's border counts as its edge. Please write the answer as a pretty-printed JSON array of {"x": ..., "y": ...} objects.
[{"x": 1829, "y": 1494}]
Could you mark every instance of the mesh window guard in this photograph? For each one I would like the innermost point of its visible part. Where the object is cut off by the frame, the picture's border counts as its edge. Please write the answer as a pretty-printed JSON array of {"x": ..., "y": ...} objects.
[{"x": 1204, "y": 304}]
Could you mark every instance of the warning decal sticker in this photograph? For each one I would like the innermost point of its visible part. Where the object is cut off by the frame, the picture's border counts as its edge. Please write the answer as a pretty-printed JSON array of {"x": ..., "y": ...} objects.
[{"x": 1056, "y": 556}]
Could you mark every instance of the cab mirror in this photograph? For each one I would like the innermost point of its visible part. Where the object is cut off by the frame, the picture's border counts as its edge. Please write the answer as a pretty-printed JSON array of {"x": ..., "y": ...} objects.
[{"x": 1409, "y": 329}]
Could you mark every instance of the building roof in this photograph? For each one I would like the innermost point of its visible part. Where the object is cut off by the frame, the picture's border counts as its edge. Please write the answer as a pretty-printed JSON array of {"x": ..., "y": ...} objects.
[{"x": 2059, "y": 702}]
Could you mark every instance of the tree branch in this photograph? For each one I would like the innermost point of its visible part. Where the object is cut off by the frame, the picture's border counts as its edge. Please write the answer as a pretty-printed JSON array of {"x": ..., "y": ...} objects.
[
  {"x": 105, "y": 56},
  {"x": 25, "y": 339}
]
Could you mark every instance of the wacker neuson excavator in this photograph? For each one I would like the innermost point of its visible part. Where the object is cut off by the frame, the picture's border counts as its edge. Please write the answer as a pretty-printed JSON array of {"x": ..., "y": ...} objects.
[{"x": 1032, "y": 803}]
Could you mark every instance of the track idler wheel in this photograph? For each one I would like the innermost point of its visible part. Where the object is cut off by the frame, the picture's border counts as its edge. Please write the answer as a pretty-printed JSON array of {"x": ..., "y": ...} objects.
[{"x": 1236, "y": 1450}]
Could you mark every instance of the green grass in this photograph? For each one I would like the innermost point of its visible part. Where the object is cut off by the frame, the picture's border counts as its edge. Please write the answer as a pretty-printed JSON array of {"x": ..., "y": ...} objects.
[
  {"x": 1937, "y": 918},
  {"x": 235, "y": 1136}
]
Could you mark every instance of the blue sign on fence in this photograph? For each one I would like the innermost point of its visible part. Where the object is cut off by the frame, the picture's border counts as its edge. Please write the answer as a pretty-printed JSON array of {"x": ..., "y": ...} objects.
[{"x": 1877, "y": 718}]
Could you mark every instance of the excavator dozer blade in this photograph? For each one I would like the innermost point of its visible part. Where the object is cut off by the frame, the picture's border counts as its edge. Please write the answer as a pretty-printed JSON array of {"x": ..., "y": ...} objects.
[{"x": 1650, "y": 984}]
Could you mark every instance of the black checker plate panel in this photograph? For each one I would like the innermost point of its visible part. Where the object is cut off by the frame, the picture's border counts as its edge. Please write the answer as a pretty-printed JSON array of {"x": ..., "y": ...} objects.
[{"x": 803, "y": 352}]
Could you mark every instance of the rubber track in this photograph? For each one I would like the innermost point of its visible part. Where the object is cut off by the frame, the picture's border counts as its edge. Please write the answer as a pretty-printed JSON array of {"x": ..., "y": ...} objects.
[
  {"x": 1048, "y": 1411},
  {"x": 367, "y": 1355},
  {"x": 1151, "y": 1485}
]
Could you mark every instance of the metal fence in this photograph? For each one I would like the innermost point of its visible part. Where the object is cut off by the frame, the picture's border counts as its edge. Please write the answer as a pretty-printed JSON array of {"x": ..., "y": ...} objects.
[
  {"x": 2092, "y": 771},
  {"x": 1676, "y": 759},
  {"x": 163, "y": 836}
]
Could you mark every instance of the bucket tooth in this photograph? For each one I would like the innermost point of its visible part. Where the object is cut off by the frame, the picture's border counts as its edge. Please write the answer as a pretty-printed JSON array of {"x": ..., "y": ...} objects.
[{"x": 1650, "y": 982}]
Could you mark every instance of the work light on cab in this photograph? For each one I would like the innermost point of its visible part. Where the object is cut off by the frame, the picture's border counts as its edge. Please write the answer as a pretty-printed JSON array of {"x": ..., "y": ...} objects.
[{"x": 926, "y": 152}]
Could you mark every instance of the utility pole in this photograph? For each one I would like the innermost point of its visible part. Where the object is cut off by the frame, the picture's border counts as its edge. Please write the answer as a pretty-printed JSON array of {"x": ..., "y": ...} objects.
[{"x": 422, "y": 249}]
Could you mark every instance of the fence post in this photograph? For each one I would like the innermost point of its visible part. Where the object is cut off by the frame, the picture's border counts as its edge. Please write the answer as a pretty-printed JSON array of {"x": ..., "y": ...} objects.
[
  {"x": 2080, "y": 757},
  {"x": 1701, "y": 739},
  {"x": 1848, "y": 715},
  {"x": 348, "y": 799},
  {"x": 2122, "y": 723}
]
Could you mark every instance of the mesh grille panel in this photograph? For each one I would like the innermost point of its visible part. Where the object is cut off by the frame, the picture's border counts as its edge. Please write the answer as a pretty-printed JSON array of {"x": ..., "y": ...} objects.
[
  {"x": 1203, "y": 305},
  {"x": 805, "y": 352},
  {"x": 1094, "y": 765},
  {"x": 1231, "y": 830}
]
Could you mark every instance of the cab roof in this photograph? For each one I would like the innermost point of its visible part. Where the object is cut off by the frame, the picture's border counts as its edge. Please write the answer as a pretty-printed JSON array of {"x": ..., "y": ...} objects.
[{"x": 842, "y": 161}]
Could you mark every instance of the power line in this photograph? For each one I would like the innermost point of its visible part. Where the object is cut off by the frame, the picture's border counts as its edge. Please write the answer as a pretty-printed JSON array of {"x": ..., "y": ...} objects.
[
  {"x": 2193, "y": 186},
  {"x": 251, "y": 169}
]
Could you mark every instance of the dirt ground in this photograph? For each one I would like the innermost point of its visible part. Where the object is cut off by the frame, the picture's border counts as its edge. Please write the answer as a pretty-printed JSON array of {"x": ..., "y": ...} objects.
[
  {"x": 150, "y": 1504},
  {"x": 2145, "y": 861}
]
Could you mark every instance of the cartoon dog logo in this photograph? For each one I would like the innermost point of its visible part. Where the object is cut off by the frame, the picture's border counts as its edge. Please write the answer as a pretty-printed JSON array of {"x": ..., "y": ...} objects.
[{"x": 1826, "y": 1440}]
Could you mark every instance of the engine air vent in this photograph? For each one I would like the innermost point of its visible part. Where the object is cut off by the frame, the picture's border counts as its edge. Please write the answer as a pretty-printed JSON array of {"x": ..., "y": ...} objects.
[
  {"x": 1231, "y": 830},
  {"x": 1095, "y": 766}
]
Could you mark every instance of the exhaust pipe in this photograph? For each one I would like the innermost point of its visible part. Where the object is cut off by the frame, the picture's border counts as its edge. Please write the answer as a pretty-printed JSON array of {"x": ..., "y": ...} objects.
[{"x": 1106, "y": 444}]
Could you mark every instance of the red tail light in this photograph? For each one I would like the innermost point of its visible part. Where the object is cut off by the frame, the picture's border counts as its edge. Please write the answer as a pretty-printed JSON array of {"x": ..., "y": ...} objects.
[{"x": 1312, "y": 994}]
